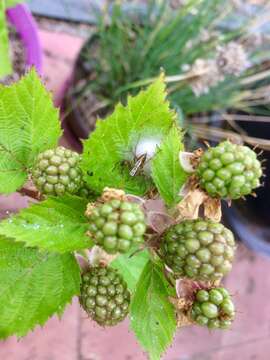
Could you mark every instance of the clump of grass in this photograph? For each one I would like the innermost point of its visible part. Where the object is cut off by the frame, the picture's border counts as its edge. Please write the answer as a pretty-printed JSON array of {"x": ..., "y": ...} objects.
[{"x": 131, "y": 50}]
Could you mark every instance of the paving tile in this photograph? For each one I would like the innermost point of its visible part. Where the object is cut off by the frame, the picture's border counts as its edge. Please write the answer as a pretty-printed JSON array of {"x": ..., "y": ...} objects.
[
  {"x": 57, "y": 340},
  {"x": 10, "y": 204},
  {"x": 60, "y": 52},
  {"x": 193, "y": 340},
  {"x": 257, "y": 349},
  {"x": 116, "y": 343},
  {"x": 249, "y": 285}
]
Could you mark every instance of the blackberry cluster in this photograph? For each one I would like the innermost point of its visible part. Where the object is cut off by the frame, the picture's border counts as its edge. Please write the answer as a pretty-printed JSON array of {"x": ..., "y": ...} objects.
[
  {"x": 229, "y": 171},
  {"x": 117, "y": 225},
  {"x": 199, "y": 249},
  {"x": 57, "y": 172},
  {"x": 104, "y": 295},
  {"x": 213, "y": 308}
]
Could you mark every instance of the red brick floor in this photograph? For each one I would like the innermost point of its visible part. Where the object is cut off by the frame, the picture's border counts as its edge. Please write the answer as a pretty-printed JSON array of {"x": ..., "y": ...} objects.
[{"x": 74, "y": 337}]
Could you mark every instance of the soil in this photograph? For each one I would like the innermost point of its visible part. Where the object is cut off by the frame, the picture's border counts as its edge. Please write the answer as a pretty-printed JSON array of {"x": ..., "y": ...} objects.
[{"x": 17, "y": 53}]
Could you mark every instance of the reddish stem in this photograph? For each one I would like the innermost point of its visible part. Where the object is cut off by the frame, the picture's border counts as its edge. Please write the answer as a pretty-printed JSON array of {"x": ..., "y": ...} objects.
[{"x": 31, "y": 192}]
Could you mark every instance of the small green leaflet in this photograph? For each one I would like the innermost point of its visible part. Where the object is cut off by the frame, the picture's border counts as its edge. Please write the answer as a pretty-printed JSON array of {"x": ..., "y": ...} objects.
[
  {"x": 5, "y": 62},
  {"x": 29, "y": 124},
  {"x": 167, "y": 173},
  {"x": 153, "y": 317},
  {"x": 146, "y": 115},
  {"x": 130, "y": 266},
  {"x": 56, "y": 224},
  {"x": 33, "y": 286}
]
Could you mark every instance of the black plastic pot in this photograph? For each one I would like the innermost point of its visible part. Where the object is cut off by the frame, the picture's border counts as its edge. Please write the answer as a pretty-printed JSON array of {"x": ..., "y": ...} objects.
[{"x": 74, "y": 119}]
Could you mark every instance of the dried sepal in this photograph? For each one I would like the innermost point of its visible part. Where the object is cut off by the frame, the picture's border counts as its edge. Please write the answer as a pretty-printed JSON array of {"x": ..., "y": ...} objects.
[
  {"x": 89, "y": 209},
  {"x": 212, "y": 209},
  {"x": 182, "y": 308},
  {"x": 83, "y": 263},
  {"x": 184, "y": 189},
  {"x": 186, "y": 290},
  {"x": 98, "y": 256},
  {"x": 190, "y": 160},
  {"x": 188, "y": 208},
  {"x": 135, "y": 199},
  {"x": 159, "y": 221},
  {"x": 112, "y": 194},
  {"x": 107, "y": 195},
  {"x": 194, "y": 198},
  {"x": 185, "y": 159}
]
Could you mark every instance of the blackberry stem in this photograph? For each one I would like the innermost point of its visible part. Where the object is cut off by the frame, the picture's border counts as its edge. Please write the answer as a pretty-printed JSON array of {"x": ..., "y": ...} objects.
[{"x": 32, "y": 193}]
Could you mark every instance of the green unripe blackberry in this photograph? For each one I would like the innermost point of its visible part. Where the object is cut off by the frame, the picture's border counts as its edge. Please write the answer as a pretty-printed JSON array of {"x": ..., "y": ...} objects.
[
  {"x": 84, "y": 191},
  {"x": 104, "y": 295},
  {"x": 213, "y": 308},
  {"x": 117, "y": 225},
  {"x": 229, "y": 171},
  {"x": 199, "y": 249},
  {"x": 57, "y": 172}
]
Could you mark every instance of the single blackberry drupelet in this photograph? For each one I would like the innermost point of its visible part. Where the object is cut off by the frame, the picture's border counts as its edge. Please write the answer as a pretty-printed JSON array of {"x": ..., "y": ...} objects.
[
  {"x": 104, "y": 295},
  {"x": 57, "y": 172},
  {"x": 198, "y": 249},
  {"x": 229, "y": 171},
  {"x": 117, "y": 225},
  {"x": 213, "y": 308}
]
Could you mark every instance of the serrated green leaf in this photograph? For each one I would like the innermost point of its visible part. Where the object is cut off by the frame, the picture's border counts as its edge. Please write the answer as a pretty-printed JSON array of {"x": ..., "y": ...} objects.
[
  {"x": 56, "y": 224},
  {"x": 33, "y": 286},
  {"x": 5, "y": 62},
  {"x": 114, "y": 140},
  {"x": 167, "y": 173},
  {"x": 130, "y": 266},
  {"x": 153, "y": 317},
  {"x": 29, "y": 124}
]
